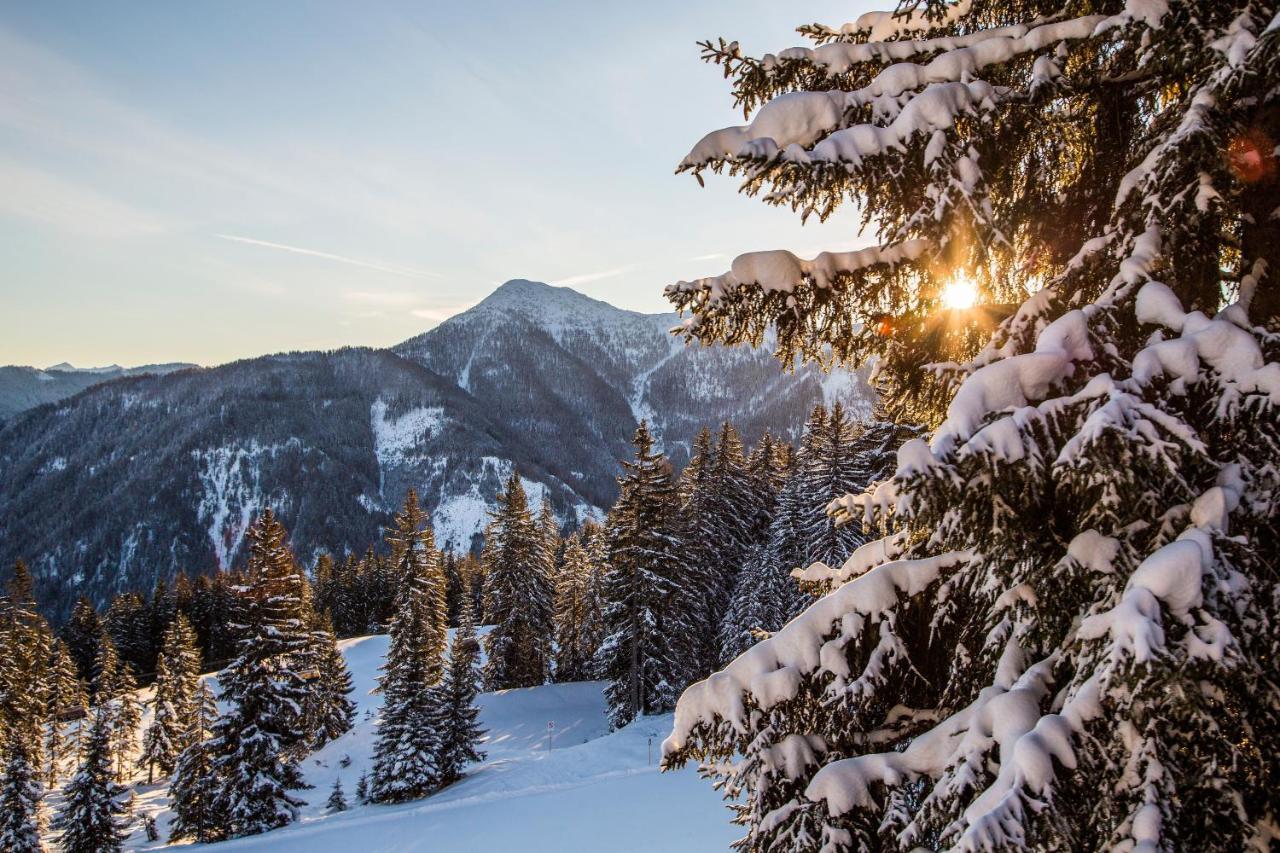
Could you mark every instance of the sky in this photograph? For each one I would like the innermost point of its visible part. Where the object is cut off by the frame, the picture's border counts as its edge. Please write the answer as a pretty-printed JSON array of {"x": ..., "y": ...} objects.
[{"x": 210, "y": 181}]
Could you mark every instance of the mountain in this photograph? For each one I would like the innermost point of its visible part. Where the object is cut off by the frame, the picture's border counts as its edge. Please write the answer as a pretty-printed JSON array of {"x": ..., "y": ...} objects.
[
  {"x": 23, "y": 388},
  {"x": 135, "y": 478}
]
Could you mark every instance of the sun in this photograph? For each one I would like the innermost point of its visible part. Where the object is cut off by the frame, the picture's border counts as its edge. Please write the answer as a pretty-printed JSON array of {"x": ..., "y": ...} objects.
[{"x": 960, "y": 294}]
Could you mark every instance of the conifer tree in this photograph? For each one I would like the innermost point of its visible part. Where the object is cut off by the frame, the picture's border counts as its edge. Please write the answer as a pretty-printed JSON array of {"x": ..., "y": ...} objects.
[
  {"x": 173, "y": 705},
  {"x": 126, "y": 715},
  {"x": 337, "y": 801},
  {"x": 519, "y": 596},
  {"x": 64, "y": 698},
  {"x": 194, "y": 791},
  {"x": 407, "y": 741},
  {"x": 329, "y": 710},
  {"x": 256, "y": 743},
  {"x": 94, "y": 808},
  {"x": 26, "y": 642},
  {"x": 82, "y": 634},
  {"x": 639, "y": 655},
  {"x": 20, "y": 795},
  {"x": 579, "y": 621},
  {"x": 1073, "y": 591},
  {"x": 457, "y": 726}
]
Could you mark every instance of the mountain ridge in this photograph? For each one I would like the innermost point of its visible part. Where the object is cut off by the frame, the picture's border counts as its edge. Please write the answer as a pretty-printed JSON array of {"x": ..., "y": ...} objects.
[{"x": 132, "y": 479}]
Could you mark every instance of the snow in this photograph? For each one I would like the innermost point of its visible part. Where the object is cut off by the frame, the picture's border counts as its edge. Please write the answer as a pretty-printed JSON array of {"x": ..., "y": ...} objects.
[
  {"x": 395, "y": 438},
  {"x": 569, "y": 794}
]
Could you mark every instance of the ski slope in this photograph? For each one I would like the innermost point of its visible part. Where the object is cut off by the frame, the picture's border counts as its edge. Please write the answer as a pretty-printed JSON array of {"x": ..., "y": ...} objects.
[{"x": 581, "y": 789}]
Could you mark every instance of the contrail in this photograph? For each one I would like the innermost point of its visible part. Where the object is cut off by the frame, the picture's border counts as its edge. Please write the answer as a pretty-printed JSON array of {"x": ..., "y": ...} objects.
[{"x": 329, "y": 256}]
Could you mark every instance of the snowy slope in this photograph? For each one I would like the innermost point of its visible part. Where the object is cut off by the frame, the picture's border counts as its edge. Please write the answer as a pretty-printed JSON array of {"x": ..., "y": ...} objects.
[{"x": 586, "y": 790}]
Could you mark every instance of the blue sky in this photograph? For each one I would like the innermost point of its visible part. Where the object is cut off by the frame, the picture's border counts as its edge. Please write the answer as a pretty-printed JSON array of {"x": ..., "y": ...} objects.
[{"x": 209, "y": 181}]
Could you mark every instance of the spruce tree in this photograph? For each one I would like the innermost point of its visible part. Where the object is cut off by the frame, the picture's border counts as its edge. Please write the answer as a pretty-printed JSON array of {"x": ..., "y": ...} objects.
[
  {"x": 126, "y": 715},
  {"x": 94, "y": 808},
  {"x": 337, "y": 801},
  {"x": 1066, "y": 635},
  {"x": 329, "y": 710},
  {"x": 256, "y": 744},
  {"x": 82, "y": 634},
  {"x": 407, "y": 741},
  {"x": 65, "y": 698},
  {"x": 457, "y": 726},
  {"x": 177, "y": 680},
  {"x": 579, "y": 624},
  {"x": 643, "y": 630},
  {"x": 20, "y": 795},
  {"x": 519, "y": 596},
  {"x": 194, "y": 792}
]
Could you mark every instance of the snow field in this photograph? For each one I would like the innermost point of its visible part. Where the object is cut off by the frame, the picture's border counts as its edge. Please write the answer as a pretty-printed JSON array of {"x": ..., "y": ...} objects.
[{"x": 582, "y": 789}]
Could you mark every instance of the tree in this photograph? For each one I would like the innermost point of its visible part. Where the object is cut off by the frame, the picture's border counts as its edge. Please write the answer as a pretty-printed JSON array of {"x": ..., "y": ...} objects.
[
  {"x": 173, "y": 705},
  {"x": 256, "y": 744},
  {"x": 20, "y": 794},
  {"x": 405, "y": 750},
  {"x": 64, "y": 698},
  {"x": 195, "y": 790},
  {"x": 337, "y": 801},
  {"x": 1073, "y": 590},
  {"x": 639, "y": 655},
  {"x": 94, "y": 809},
  {"x": 82, "y": 634},
  {"x": 457, "y": 726},
  {"x": 579, "y": 622},
  {"x": 519, "y": 597},
  {"x": 329, "y": 711},
  {"x": 126, "y": 715}
]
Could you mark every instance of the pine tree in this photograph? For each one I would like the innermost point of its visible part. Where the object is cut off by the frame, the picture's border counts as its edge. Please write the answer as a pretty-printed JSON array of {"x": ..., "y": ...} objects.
[
  {"x": 1074, "y": 589},
  {"x": 329, "y": 710},
  {"x": 82, "y": 634},
  {"x": 177, "y": 680},
  {"x": 24, "y": 666},
  {"x": 20, "y": 795},
  {"x": 519, "y": 597},
  {"x": 457, "y": 727},
  {"x": 579, "y": 621},
  {"x": 94, "y": 809},
  {"x": 65, "y": 698},
  {"x": 639, "y": 655},
  {"x": 337, "y": 801},
  {"x": 194, "y": 791},
  {"x": 362, "y": 788},
  {"x": 256, "y": 744},
  {"x": 126, "y": 715},
  {"x": 407, "y": 741}
]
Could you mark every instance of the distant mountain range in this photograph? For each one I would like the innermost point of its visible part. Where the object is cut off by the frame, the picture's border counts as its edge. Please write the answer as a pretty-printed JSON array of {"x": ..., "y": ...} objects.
[
  {"x": 137, "y": 476},
  {"x": 23, "y": 388}
]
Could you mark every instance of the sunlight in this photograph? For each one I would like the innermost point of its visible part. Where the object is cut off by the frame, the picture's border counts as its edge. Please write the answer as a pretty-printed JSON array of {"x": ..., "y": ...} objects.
[{"x": 960, "y": 294}]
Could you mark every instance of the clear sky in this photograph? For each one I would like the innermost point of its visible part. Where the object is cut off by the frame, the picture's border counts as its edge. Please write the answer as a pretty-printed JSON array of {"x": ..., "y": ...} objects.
[{"x": 209, "y": 181}]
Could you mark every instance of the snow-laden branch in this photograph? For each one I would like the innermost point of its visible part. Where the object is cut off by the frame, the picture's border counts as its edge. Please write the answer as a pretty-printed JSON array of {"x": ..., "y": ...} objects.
[{"x": 780, "y": 271}]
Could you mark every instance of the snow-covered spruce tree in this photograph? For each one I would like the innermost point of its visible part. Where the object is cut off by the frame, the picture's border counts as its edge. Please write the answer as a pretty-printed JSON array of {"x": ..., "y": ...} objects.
[
  {"x": 1067, "y": 636},
  {"x": 64, "y": 698},
  {"x": 94, "y": 810},
  {"x": 82, "y": 634},
  {"x": 20, "y": 795},
  {"x": 25, "y": 641},
  {"x": 126, "y": 716},
  {"x": 404, "y": 765},
  {"x": 194, "y": 790},
  {"x": 579, "y": 625},
  {"x": 256, "y": 743},
  {"x": 173, "y": 704},
  {"x": 457, "y": 725},
  {"x": 644, "y": 623},
  {"x": 337, "y": 801},
  {"x": 519, "y": 597},
  {"x": 329, "y": 711}
]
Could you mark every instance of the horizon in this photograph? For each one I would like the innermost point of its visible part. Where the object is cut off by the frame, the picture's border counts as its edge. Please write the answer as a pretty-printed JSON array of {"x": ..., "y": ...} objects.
[{"x": 199, "y": 187}]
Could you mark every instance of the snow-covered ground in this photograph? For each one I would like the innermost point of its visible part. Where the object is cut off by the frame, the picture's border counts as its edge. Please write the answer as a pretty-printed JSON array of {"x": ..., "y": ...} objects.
[{"x": 585, "y": 789}]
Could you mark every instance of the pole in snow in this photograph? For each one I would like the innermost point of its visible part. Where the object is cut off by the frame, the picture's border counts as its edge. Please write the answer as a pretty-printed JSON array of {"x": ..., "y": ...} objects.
[{"x": 551, "y": 733}]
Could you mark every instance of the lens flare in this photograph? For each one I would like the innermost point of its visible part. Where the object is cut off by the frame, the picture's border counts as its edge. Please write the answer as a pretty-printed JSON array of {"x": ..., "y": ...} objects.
[{"x": 959, "y": 294}]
